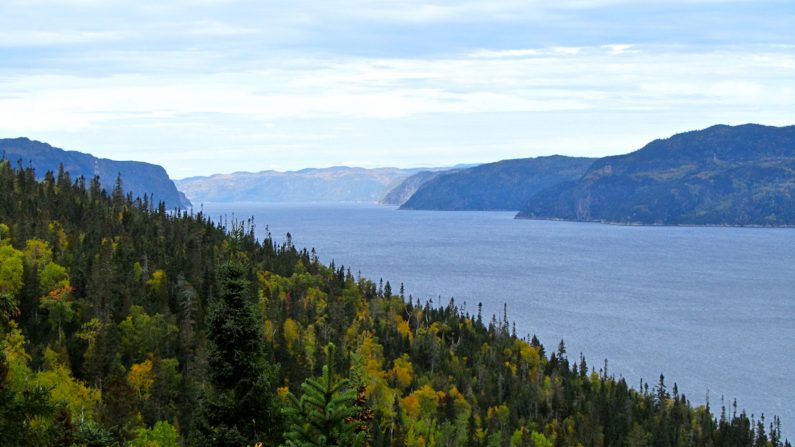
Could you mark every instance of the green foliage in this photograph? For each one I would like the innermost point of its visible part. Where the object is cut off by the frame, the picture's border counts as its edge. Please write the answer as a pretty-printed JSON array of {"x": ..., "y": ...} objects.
[
  {"x": 8, "y": 307},
  {"x": 37, "y": 253},
  {"x": 539, "y": 440},
  {"x": 53, "y": 276},
  {"x": 234, "y": 333},
  {"x": 157, "y": 286},
  {"x": 142, "y": 334},
  {"x": 5, "y": 234},
  {"x": 162, "y": 434},
  {"x": 10, "y": 270},
  {"x": 64, "y": 390},
  {"x": 24, "y": 406},
  {"x": 240, "y": 409},
  {"x": 325, "y": 416},
  {"x": 59, "y": 306},
  {"x": 119, "y": 315},
  {"x": 91, "y": 434}
]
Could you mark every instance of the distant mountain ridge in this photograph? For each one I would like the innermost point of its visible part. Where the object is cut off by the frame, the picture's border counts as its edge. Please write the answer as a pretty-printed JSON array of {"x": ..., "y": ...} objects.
[
  {"x": 504, "y": 185},
  {"x": 408, "y": 187},
  {"x": 138, "y": 178},
  {"x": 722, "y": 175},
  {"x": 334, "y": 184}
]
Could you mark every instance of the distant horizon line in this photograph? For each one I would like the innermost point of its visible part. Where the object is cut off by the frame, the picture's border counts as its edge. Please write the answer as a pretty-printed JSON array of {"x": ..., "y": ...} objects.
[{"x": 441, "y": 167}]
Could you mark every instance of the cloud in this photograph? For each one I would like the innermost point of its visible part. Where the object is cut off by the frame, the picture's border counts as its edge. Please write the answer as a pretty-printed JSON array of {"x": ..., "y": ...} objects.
[
  {"x": 528, "y": 80},
  {"x": 286, "y": 81},
  {"x": 618, "y": 48},
  {"x": 32, "y": 38},
  {"x": 522, "y": 53},
  {"x": 498, "y": 54}
]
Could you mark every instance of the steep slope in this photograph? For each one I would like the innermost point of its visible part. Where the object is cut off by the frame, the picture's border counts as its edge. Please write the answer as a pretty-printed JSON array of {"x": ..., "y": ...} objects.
[
  {"x": 140, "y": 319},
  {"x": 723, "y": 175},
  {"x": 139, "y": 178},
  {"x": 504, "y": 185},
  {"x": 403, "y": 192},
  {"x": 335, "y": 184}
]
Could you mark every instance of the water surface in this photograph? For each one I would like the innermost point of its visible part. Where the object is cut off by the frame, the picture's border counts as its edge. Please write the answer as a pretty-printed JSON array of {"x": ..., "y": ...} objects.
[{"x": 711, "y": 308}]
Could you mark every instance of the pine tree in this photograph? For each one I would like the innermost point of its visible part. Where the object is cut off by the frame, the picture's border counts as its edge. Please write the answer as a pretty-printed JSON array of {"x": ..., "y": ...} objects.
[{"x": 326, "y": 414}]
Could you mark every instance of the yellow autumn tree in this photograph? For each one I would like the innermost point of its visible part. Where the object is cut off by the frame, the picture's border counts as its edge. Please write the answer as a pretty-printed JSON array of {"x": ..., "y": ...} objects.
[
  {"x": 12, "y": 344},
  {"x": 403, "y": 327},
  {"x": 463, "y": 410},
  {"x": 403, "y": 371},
  {"x": 10, "y": 270},
  {"x": 292, "y": 334},
  {"x": 269, "y": 330},
  {"x": 367, "y": 362},
  {"x": 419, "y": 415},
  {"x": 141, "y": 378},
  {"x": 310, "y": 346},
  {"x": 157, "y": 286},
  {"x": 57, "y": 377},
  {"x": 37, "y": 253}
]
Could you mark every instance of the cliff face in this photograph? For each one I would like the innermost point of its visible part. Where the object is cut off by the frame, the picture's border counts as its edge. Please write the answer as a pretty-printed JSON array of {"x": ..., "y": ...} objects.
[
  {"x": 723, "y": 175},
  {"x": 139, "y": 178}
]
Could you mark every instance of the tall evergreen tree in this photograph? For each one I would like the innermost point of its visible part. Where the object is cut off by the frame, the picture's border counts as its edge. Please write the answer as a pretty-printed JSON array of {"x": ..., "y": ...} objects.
[{"x": 239, "y": 410}]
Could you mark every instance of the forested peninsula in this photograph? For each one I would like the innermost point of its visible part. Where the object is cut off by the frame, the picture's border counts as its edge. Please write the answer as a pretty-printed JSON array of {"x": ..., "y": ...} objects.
[
  {"x": 124, "y": 324},
  {"x": 721, "y": 176},
  {"x": 506, "y": 185}
]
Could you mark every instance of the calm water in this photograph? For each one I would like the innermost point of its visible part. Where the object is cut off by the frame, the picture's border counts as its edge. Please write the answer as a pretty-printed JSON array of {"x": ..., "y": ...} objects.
[{"x": 711, "y": 308}]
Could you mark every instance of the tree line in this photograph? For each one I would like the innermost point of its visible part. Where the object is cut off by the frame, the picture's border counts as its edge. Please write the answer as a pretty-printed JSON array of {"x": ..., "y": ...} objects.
[{"x": 123, "y": 323}]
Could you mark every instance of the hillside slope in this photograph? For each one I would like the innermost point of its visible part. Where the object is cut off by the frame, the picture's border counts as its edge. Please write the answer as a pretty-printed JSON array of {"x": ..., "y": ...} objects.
[
  {"x": 126, "y": 325},
  {"x": 723, "y": 175},
  {"x": 504, "y": 185},
  {"x": 139, "y": 178},
  {"x": 403, "y": 192}
]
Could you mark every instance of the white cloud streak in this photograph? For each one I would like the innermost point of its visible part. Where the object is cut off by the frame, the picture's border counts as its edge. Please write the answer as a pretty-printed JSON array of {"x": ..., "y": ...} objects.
[
  {"x": 530, "y": 80},
  {"x": 403, "y": 82}
]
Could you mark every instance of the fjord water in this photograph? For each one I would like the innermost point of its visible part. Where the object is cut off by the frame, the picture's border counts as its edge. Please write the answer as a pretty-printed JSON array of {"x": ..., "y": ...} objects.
[{"x": 711, "y": 308}]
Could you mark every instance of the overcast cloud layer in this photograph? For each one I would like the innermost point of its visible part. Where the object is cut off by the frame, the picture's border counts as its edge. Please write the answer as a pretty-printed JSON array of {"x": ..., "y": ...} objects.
[{"x": 219, "y": 86}]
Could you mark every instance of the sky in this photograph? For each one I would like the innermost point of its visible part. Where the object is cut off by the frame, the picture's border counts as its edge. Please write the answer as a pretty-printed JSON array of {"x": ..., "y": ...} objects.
[{"x": 209, "y": 86}]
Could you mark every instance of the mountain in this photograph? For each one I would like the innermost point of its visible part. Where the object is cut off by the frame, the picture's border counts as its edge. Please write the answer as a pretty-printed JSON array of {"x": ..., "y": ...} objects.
[
  {"x": 137, "y": 177},
  {"x": 723, "y": 175},
  {"x": 403, "y": 192},
  {"x": 504, "y": 185},
  {"x": 335, "y": 184}
]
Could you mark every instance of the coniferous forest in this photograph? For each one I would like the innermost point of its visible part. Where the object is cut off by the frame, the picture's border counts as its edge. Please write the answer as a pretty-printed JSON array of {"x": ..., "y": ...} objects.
[{"x": 125, "y": 324}]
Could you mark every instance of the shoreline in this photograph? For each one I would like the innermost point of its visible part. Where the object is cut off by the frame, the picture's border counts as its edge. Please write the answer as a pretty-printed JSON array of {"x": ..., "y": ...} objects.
[{"x": 641, "y": 224}]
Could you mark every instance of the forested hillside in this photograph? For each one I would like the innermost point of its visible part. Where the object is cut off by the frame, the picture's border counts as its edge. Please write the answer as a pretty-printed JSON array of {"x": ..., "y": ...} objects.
[
  {"x": 722, "y": 175},
  {"x": 139, "y": 178},
  {"x": 504, "y": 185},
  {"x": 124, "y": 325}
]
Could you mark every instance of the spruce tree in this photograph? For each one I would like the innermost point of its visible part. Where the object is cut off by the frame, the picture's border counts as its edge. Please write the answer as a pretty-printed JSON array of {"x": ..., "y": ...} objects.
[
  {"x": 239, "y": 410},
  {"x": 326, "y": 415}
]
